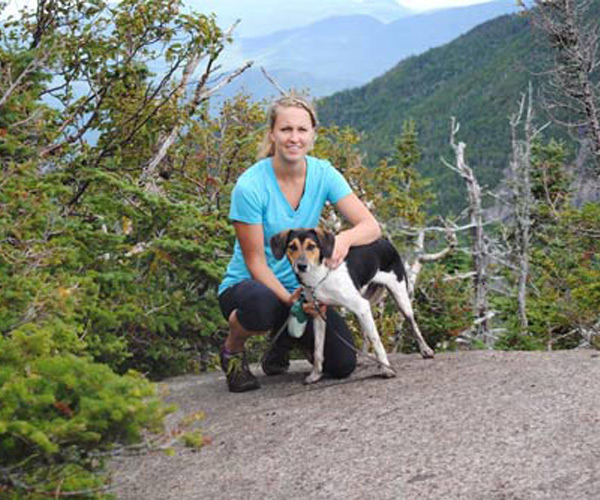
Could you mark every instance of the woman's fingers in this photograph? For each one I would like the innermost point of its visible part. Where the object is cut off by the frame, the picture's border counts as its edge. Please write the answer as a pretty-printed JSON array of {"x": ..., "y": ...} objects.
[{"x": 310, "y": 309}]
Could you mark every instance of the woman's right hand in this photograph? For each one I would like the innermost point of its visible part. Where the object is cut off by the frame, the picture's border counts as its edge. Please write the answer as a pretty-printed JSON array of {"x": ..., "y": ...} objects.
[{"x": 294, "y": 296}]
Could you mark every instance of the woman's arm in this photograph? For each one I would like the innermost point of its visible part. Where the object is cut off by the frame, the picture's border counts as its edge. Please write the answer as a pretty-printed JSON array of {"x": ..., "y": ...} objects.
[
  {"x": 251, "y": 240},
  {"x": 365, "y": 228}
]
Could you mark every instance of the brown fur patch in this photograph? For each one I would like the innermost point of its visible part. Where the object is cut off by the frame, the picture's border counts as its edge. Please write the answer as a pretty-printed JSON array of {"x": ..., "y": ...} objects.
[{"x": 303, "y": 246}]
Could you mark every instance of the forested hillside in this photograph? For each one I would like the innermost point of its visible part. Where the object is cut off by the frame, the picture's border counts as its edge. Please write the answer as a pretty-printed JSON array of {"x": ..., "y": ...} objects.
[{"x": 477, "y": 78}]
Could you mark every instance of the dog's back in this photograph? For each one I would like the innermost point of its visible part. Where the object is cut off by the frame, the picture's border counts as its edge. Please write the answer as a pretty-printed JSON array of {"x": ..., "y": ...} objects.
[{"x": 366, "y": 260}]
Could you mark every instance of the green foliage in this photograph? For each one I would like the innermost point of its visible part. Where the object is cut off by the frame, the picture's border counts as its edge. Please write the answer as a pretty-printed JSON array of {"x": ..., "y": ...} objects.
[
  {"x": 400, "y": 193},
  {"x": 394, "y": 190},
  {"x": 566, "y": 273},
  {"x": 60, "y": 409},
  {"x": 443, "y": 306},
  {"x": 562, "y": 292},
  {"x": 513, "y": 341},
  {"x": 551, "y": 183},
  {"x": 100, "y": 275}
]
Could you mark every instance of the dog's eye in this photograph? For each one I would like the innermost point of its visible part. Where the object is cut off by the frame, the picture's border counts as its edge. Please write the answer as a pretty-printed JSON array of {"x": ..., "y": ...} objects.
[
  {"x": 293, "y": 247},
  {"x": 311, "y": 246}
]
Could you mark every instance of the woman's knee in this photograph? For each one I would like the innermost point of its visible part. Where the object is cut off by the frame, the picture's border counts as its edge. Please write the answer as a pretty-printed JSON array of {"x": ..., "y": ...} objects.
[
  {"x": 258, "y": 308},
  {"x": 340, "y": 367}
]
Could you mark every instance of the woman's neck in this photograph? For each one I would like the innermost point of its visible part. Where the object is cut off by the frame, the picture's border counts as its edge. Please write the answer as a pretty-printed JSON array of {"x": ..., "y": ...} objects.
[{"x": 286, "y": 171}]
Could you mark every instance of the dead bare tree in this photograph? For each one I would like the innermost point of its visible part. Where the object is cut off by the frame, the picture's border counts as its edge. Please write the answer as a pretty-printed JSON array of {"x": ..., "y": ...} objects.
[
  {"x": 479, "y": 244},
  {"x": 572, "y": 95},
  {"x": 520, "y": 167},
  {"x": 522, "y": 199},
  {"x": 414, "y": 266}
]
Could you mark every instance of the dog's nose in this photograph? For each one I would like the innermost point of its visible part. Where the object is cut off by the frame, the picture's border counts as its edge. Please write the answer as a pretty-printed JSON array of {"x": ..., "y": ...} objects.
[{"x": 301, "y": 267}]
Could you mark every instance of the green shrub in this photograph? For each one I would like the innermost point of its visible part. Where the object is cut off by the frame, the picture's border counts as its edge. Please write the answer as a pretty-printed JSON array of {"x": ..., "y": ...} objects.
[
  {"x": 60, "y": 409},
  {"x": 514, "y": 341},
  {"x": 443, "y": 307}
]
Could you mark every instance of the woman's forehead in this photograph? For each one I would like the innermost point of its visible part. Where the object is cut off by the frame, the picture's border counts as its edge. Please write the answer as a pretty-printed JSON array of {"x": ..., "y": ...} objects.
[{"x": 293, "y": 115}]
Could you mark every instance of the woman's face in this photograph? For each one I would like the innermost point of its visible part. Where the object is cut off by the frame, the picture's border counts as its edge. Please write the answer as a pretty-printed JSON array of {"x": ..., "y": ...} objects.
[{"x": 293, "y": 134}]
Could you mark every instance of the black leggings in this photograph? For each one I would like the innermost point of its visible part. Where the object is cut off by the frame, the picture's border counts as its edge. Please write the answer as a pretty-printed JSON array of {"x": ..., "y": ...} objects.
[{"x": 259, "y": 309}]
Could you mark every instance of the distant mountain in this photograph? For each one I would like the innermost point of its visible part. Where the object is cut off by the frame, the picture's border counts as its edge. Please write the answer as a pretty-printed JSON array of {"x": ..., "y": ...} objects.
[
  {"x": 347, "y": 51},
  {"x": 478, "y": 78},
  {"x": 260, "y": 17}
]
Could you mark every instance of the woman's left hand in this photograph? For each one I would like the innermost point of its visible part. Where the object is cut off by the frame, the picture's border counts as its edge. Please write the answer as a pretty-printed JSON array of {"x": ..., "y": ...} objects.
[{"x": 340, "y": 251}]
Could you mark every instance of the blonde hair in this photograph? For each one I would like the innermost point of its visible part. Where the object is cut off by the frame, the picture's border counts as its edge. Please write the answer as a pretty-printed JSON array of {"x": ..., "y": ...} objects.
[{"x": 266, "y": 147}]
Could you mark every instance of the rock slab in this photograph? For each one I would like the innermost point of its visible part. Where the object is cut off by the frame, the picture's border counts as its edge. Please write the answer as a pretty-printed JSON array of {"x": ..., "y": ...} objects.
[{"x": 478, "y": 425}]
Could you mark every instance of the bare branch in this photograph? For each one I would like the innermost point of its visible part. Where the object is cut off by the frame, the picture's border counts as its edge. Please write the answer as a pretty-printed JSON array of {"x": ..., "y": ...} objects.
[
  {"x": 273, "y": 81},
  {"x": 202, "y": 93}
]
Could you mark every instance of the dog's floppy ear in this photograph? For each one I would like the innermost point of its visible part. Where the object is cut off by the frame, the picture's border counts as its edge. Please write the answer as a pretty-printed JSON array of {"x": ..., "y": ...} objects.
[
  {"x": 279, "y": 243},
  {"x": 326, "y": 242}
]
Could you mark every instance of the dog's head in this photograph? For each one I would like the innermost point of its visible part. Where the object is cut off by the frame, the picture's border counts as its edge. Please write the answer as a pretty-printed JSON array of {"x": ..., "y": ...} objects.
[{"x": 305, "y": 248}]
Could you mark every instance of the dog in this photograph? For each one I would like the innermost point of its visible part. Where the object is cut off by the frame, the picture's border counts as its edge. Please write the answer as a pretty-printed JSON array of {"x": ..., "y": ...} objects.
[{"x": 366, "y": 269}]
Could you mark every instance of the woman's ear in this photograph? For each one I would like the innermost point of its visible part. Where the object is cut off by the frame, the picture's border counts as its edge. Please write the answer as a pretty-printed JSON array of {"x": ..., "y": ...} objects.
[
  {"x": 326, "y": 242},
  {"x": 279, "y": 243}
]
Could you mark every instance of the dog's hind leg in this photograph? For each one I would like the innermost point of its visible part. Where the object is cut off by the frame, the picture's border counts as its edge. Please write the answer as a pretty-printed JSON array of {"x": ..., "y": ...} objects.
[
  {"x": 319, "y": 332},
  {"x": 400, "y": 293},
  {"x": 374, "y": 293},
  {"x": 362, "y": 309}
]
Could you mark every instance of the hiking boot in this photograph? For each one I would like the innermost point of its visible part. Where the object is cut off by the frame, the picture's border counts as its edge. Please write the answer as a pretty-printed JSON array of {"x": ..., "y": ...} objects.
[
  {"x": 237, "y": 371},
  {"x": 276, "y": 361}
]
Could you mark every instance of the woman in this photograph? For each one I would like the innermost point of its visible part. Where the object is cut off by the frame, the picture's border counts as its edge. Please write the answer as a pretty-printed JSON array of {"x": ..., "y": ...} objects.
[{"x": 285, "y": 189}]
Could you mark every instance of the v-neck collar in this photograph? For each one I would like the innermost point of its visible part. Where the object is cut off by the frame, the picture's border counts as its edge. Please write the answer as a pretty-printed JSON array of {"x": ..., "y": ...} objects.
[{"x": 291, "y": 210}]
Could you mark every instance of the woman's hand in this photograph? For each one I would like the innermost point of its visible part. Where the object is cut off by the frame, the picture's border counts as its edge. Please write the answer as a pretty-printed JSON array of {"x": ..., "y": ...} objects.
[
  {"x": 310, "y": 309},
  {"x": 364, "y": 230},
  {"x": 294, "y": 296},
  {"x": 340, "y": 250}
]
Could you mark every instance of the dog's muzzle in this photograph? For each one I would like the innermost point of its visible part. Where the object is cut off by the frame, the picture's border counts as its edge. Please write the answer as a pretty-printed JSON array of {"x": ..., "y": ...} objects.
[
  {"x": 301, "y": 264},
  {"x": 301, "y": 268}
]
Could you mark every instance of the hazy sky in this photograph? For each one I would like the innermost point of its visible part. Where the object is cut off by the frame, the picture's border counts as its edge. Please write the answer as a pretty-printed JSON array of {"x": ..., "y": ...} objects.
[
  {"x": 416, "y": 5},
  {"x": 421, "y": 5}
]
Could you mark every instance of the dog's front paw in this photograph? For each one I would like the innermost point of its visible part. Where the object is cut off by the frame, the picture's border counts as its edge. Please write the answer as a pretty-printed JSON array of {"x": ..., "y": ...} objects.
[
  {"x": 427, "y": 352},
  {"x": 313, "y": 377},
  {"x": 387, "y": 372}
]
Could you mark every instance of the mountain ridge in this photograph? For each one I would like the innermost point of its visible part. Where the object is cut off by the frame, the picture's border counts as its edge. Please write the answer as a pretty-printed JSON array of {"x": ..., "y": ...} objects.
[{"x": 477, "y": 78}]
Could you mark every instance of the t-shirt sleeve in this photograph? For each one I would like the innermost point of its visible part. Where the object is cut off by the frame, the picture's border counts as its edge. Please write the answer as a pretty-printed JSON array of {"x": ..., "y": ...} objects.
[
  {"x": 338, "y": 185},
  {"x": 245, "y": 203}
]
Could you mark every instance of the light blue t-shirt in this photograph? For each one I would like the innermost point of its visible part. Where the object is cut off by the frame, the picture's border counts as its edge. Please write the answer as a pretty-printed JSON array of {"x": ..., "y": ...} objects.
[{"x": 257, "y": 199}]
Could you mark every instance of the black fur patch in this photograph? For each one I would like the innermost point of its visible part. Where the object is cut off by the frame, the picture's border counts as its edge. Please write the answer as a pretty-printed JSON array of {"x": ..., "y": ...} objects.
[
  {"x": 279, "y": 243},
  {"x": 364, "y": 261}
]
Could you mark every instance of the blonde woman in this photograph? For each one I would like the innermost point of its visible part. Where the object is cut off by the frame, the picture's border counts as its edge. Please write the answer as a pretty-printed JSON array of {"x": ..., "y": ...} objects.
[{"x": 285, "y": 189}]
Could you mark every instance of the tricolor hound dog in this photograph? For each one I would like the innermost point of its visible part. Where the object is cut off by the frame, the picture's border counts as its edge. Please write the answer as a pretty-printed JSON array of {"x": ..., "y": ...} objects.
[{"x": 365, "y": 269}]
